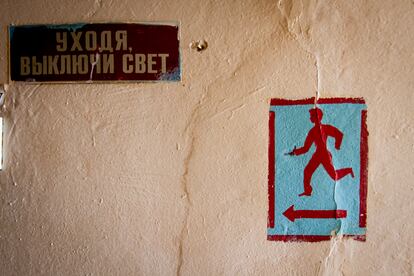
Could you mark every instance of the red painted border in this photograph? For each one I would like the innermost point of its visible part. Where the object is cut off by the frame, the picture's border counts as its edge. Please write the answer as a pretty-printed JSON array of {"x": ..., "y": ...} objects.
[
  {"x": 271, "y": 176},
  {"x": 291, "y": 102},
  {"x": 363, "y": 186},
  {"x": 341, "y": 101},
  {"x": 310, "y": 238},
  {"x": 320, "y": 101}
]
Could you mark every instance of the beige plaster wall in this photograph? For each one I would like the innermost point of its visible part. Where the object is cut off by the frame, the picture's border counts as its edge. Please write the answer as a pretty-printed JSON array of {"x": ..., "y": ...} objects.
[{"x": 171, "y": 178}]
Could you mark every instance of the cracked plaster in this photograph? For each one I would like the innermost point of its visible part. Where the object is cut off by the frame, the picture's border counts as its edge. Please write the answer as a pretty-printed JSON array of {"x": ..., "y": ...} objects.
[{"x": 164, "y": 179}]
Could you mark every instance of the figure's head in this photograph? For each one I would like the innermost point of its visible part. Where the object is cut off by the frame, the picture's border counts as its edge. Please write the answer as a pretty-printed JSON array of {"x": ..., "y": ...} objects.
[{"x": 315, "y": 115}]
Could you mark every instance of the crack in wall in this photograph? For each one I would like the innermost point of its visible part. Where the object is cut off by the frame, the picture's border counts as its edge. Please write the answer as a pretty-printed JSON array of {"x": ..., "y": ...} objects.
[
  {"x": 333, "y": 262},
  {"x": 301, "y": 36},
  {"x": 318, "y": 78},
  {"x": 93, "y": 64},
  {"x": 334, "y": 231},
  {"x": 189, "y": 131},
  {"x": 97, "y": 6},
  {"x": 206, "y": 107},
  {"x": 186, "y": 196},
  {"x": 285, "y": 7}
]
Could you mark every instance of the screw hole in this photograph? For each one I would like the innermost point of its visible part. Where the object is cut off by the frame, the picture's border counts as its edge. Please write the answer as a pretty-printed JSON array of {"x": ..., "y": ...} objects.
[{"x": 199, "y": 46}]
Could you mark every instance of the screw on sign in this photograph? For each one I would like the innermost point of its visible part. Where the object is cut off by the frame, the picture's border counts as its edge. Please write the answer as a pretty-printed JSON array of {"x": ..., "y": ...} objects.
[{"x": 319, "y": 188}]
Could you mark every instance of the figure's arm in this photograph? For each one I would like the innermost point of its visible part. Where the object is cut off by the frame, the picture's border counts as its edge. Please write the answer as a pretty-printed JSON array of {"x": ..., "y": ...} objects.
[
  {"x": 336, "y": 134},
  {"x": 306, "y": 146}
]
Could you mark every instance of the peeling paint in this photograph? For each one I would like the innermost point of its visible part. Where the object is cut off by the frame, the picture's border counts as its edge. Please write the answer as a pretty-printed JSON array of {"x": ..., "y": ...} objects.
[{"x": 143, "y": 134}]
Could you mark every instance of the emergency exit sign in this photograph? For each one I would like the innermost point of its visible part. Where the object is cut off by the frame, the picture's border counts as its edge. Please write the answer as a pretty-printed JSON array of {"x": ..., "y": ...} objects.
[
  {"x": 95, "y": 52},
  {"x": 318, "y": 169}
]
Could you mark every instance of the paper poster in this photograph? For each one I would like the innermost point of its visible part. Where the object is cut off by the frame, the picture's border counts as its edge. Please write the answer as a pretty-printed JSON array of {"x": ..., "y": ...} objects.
[{"x": 318, "y": 158}]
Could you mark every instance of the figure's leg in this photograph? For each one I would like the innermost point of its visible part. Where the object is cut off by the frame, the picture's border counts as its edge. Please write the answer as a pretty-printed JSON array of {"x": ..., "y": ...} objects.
[
  {"x": 307, "y": 175},
  {"x": 336, "y": 174},
  {"x": 344, "y": 172}
]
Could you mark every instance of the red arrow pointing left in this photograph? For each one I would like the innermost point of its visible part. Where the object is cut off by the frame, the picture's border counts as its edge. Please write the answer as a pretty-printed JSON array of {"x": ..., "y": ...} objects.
[{"x": 293, "y": 214}]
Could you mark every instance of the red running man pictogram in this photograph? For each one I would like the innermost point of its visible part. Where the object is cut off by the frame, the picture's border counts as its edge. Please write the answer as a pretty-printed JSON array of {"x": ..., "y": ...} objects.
[{"x": 318, "y": 135}]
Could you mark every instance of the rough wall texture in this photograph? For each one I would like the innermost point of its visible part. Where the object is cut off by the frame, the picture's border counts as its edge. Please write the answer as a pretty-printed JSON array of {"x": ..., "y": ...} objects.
[{"x": 164, "y": 179}]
